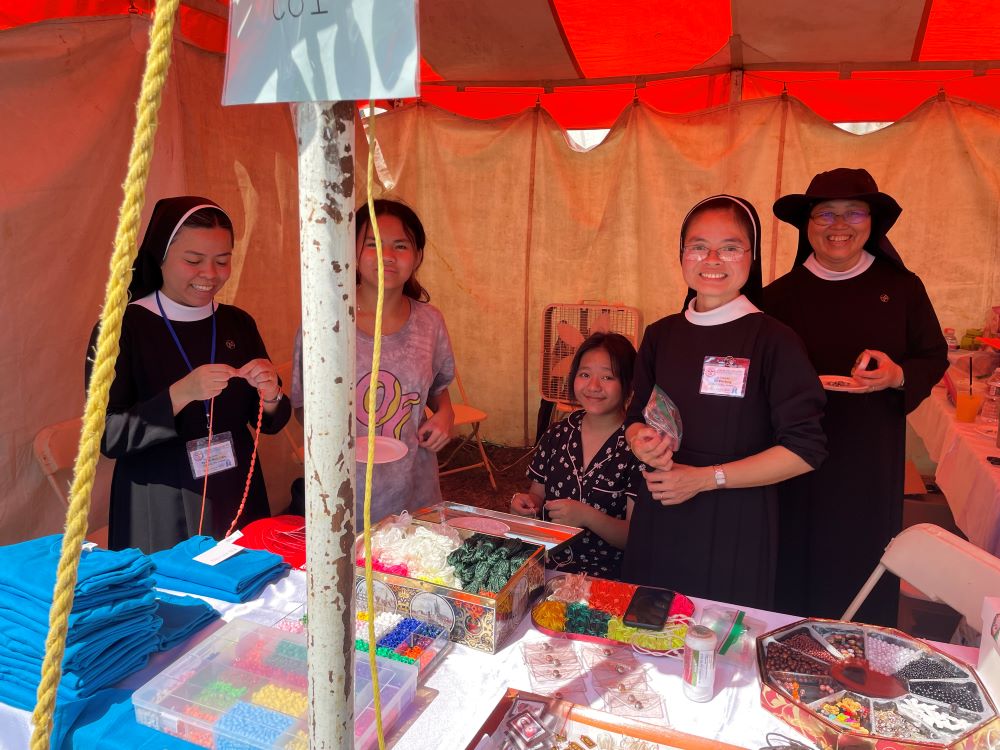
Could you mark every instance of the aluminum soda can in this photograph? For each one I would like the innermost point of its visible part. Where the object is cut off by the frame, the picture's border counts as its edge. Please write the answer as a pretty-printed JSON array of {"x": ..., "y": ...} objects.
[{"x": 699, "y": 663}]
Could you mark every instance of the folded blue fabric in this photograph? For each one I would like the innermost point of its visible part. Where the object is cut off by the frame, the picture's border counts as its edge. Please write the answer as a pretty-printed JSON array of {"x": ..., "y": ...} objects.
[
  {"x": 19, "y": 681},
  {"x": 81, "y": 653},
  {"x": 107, "y": 721},
  {"x": 100, "y": 574},
  {"x": 182, "y": 616},
  {"x": 235, "y": 579}
]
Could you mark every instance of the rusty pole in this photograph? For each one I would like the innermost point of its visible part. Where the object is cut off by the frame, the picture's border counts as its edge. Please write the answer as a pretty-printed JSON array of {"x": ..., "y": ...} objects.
[{"x": 325, "y": 133}]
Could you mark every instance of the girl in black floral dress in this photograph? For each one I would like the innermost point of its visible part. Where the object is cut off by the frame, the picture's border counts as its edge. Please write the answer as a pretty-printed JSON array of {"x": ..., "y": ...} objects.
[{"x": 583, "y": 472}]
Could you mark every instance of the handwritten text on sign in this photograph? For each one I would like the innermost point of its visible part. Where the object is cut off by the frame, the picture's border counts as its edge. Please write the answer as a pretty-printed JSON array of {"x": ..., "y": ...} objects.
[{"x": 321, "y": 50}]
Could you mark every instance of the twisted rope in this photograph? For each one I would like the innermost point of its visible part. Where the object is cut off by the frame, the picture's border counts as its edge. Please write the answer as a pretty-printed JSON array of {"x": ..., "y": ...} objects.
[{"x": 116, "y": 298}]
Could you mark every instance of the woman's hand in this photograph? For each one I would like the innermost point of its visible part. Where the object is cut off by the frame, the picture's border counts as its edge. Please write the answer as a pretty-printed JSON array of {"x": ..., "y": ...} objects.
[
  {"x": 261, "y": 374},
  {"x": 652, "y": 448},
  {"x": 435, "y": 433},
  {"x": 569, "y": 512},
  {"x": 201, "y": 384},
  {"x": 887, "y": 375},
  {"x": 523, "y": 504},
  {"x": 679, "y": 484}
]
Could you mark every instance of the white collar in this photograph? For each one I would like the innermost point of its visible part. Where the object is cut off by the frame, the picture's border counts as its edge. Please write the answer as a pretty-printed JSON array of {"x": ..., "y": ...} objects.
[
  {"x": 175, "y": 310},
  {"x": 817, "y": 269},
  {"x": 727, "y": 313}
]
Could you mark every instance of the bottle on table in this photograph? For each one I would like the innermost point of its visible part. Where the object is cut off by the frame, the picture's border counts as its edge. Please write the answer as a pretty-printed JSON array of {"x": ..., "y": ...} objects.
[
  {"x": 699, "y": 663},
  {"x": 990, "y": 411},
  {"x": 951, "y": 339}
]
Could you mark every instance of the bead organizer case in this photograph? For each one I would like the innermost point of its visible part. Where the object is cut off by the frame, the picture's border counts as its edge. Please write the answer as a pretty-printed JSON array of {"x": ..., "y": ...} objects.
[
  {"x": 828, "y": 679},
  {"x": 397, "y": 638},
  {"x": 483, "y": 620},
  {"x": 584, "y": 608},
  {"x": 245, "y": 688}
]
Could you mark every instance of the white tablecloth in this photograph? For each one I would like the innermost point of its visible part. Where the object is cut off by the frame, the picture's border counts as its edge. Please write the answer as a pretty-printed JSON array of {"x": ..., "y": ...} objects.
[
  {"x": 969, "y": 482},
  {"x": 462, "y": 691}
]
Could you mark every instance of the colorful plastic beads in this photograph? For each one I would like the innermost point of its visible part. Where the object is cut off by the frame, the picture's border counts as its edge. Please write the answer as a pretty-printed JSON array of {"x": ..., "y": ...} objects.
[
  {"x": 220, "y": 695},
  {"x": 550, "y": 615},
  {"x": 246, "y": 724},
  {"x": 192, "y": 733},
  {"x": 846, "y": 711},
  {"x": 299, "y": 742},
  {"x": 285, "y": 700},
  {"x": 668, "y": 639},
  {"x": 886, "y": 656}
]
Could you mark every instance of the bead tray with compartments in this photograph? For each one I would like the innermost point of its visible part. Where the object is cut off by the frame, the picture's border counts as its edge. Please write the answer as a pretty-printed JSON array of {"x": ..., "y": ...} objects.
[
  {"x": 245, "y": 688},
  {"x": 829, "y": 679}
]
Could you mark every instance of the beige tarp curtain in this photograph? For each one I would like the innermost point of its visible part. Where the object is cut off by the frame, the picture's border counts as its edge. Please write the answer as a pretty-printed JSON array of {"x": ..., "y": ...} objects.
[{"x": 516, "y": 218}]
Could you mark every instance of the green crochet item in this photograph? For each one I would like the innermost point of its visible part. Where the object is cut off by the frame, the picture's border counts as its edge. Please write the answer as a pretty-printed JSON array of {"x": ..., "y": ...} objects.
[{"x": 486, "y": 563}]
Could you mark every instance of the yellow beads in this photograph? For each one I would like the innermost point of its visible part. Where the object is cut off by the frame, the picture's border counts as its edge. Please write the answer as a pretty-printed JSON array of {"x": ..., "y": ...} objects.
[{"x": 285, "y": 700}]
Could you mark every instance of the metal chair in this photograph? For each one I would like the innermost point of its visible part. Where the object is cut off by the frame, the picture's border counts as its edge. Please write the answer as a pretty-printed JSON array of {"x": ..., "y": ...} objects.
[
  {"x": 942, "y": 567},
  {"x": 468, "y": 415},
  {"x": 55, "y": 450}
]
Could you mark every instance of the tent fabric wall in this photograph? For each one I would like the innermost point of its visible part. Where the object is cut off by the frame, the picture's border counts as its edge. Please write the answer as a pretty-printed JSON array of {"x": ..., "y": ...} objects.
[
  {"x": 68, "y": 93},
  {"x": 516, "y": 216}
]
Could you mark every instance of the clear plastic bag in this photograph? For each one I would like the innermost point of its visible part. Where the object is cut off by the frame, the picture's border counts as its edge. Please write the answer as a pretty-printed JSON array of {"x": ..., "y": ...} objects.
[
  {"x": 737, "y": 633},
  {"x": 663, "y": 416}
]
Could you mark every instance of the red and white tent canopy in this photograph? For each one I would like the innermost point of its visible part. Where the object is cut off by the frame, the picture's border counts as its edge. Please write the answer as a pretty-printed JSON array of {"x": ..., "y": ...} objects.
[{"x": 584, "y": 60}]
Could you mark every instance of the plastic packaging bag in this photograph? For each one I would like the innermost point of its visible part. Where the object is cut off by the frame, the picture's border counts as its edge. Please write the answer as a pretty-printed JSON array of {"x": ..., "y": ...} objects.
[
  {"x": 662, "y": 415},
  {"x": 737, "y": 633}
]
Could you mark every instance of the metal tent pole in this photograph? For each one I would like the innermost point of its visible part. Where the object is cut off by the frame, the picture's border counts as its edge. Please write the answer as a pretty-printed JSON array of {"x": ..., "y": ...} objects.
[{"x": 325, "y": 132}]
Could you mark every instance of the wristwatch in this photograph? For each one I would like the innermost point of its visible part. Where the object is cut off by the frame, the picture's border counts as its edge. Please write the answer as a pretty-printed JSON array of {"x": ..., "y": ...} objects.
[{"x": 720, "y": 476}]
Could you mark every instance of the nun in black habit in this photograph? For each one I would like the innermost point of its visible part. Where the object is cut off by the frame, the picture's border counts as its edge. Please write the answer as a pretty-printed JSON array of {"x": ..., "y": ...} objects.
[
  {"x": 859, "y": 311},
  {"x": 705, "y": 521},
  {"x": 184, "y": 357}
]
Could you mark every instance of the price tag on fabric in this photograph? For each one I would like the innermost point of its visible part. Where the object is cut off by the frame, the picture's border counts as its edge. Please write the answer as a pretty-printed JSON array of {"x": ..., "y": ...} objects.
[
  {"x": 221, "y": 551},
  {"x": 219, "y": 458},
  {"x": 321, "y": 50},
  {"x": 724, "y": 376}
]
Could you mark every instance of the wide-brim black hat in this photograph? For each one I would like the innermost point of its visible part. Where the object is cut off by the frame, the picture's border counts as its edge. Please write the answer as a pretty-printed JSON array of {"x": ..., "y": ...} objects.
[
  {"x": 843, "y": 184},
  {"x": 840, "y": 184}
]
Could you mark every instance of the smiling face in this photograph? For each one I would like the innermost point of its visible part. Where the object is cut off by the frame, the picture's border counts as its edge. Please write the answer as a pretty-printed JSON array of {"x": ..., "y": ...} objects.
[
  {"x": 596, "y": 386},
  {"x": 839, "y": 245},
  {"x": 197, "y": 265},
  {"x": 716, "y": 281},
  {"x": 400, "y": 255}
]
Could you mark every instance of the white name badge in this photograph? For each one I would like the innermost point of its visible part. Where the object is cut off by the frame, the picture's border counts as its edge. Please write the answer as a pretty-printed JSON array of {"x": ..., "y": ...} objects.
[
  {"x": 724, "y": 376},
  {"x": 220, "y": 458}
]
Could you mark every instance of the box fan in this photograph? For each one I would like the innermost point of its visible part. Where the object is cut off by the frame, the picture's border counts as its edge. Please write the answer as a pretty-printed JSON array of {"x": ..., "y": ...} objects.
[{"x": 565, "y": 327}]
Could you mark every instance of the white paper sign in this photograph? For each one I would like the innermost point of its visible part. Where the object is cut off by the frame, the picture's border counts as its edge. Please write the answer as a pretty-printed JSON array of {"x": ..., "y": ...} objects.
[{"x": 321, "y": 50}]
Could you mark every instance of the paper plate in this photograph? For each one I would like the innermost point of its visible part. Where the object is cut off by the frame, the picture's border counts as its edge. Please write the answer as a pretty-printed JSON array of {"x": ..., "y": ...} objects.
[
  {"x": 479, "y": 523},
  {"x": 387, "y": 449},
  {"x": 843, "y": 383}
]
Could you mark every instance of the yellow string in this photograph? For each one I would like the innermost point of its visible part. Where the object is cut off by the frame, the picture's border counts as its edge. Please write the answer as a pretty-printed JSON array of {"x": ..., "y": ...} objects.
[
  {"x": 371, "y": 406},
  {"x": 115, "y": 300}
]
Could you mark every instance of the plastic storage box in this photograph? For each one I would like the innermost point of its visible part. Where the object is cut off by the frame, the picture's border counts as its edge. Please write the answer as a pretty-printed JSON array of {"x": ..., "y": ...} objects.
[{"x": 245, "y": 688}]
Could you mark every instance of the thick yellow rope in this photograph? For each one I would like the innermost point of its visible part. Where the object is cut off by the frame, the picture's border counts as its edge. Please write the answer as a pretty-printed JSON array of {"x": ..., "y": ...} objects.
[
  {"x": 116, "y": 298},
  {"x": 372, "y": 405}
]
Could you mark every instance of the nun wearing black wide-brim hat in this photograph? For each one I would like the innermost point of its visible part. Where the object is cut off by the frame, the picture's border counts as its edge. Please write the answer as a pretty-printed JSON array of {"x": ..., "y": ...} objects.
[{"x": 872, "y": 335}]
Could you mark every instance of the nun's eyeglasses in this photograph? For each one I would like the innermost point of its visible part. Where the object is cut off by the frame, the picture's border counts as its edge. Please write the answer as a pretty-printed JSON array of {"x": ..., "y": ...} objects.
[
  {"x": 826, "y": 218},
  {"x": 725, "y": 253}
]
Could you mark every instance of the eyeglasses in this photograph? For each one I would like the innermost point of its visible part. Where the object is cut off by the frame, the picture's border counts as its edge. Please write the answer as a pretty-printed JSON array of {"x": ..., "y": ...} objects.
[
  {"x": 725, "y": 253},
  {"x": 826, "y": 218}
]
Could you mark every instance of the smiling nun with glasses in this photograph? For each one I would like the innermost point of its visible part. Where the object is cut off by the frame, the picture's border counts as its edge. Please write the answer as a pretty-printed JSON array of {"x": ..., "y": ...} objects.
[
  {"x": 860, "y": 312},
  {"x": 705, "y": 520}
]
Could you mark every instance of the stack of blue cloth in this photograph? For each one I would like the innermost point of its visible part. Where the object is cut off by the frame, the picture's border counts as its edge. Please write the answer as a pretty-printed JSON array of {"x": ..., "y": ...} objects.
[
  {"x": 113, "y": 625},
  {"x": 235, "y": 579}
]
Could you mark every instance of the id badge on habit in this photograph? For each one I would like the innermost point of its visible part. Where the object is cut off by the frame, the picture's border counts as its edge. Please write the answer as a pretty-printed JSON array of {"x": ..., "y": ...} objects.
[
  {"x": 221, "y": 458},
  {"x": 724, "y": 376}
]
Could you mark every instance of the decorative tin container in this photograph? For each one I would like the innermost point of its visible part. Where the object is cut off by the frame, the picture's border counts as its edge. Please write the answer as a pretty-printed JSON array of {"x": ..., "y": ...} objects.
[
  {"x": 847, "y": 685},
  {"x": 478, "y": 621}
]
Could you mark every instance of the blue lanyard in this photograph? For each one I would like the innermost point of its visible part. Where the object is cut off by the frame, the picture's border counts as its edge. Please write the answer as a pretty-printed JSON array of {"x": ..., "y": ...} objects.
[{"x": 180, "y": 348}]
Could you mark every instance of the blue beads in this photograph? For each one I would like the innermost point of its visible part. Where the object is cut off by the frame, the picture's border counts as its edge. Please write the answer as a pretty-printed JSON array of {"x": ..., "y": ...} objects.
[
  {"x": 246, "y": 726},
  {"x": 400, "y": 633}
]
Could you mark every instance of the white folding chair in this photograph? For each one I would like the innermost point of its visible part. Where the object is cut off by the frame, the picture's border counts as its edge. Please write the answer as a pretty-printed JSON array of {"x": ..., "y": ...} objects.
[
  {"x": 941, "y": 567},
  {"x": 55, "y": 449}
]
